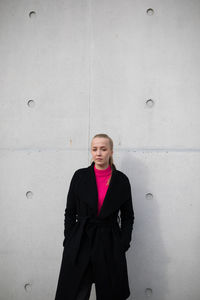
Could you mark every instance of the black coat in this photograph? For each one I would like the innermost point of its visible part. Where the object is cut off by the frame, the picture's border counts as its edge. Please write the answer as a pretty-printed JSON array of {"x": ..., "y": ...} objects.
[{"x": 103, "y": 238}]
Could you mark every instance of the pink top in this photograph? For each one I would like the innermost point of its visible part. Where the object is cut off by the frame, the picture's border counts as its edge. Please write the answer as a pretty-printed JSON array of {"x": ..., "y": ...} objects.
[{"x": 102, "y": 177}]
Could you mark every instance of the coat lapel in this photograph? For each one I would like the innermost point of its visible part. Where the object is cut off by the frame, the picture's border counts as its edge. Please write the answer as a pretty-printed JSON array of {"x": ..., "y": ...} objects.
[
  {"x": 94, "y": 191},
  {"x": 107, "y": 205}
]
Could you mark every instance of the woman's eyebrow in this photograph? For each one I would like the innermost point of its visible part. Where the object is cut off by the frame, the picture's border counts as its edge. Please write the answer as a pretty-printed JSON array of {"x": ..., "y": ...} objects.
[{"x": 100, "y": 147}]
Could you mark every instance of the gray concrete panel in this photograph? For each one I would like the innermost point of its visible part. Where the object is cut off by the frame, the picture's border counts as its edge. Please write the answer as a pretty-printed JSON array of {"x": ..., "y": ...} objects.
[
  {"x": 33, "y": 193},
  {"x": 44, "y": 58},
  {"x": 137, "y": 57},
  {"x": 163, "y": 257},
  {"x": 71, "y": 69}
]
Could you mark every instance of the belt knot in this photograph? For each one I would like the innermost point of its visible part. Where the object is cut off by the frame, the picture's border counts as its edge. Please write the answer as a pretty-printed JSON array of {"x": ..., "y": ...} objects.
[{"x": 96, "y": 221}]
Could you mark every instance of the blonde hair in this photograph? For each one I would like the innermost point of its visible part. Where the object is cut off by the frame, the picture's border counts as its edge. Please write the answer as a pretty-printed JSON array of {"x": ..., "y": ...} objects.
[{"x": 103, "y": 135}]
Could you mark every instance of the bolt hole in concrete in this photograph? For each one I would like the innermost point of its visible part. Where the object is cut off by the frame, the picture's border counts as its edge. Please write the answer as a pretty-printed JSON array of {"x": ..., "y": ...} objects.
[
  {"x": 150, "y": 103},
  {"x": 31, "y": 103},
  {"x": 150, "y": 11},
  {"x": 32, "y": 14},
  {"x": 29, "y": 195},
  {"x": 149, "y": 196},
  {"x": 148, "y": 292},
  {"x": 27, "y": 287}
]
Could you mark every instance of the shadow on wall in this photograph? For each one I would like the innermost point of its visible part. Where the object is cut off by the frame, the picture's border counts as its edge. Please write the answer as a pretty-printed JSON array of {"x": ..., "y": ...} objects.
[{"x": 147, "y": 258}]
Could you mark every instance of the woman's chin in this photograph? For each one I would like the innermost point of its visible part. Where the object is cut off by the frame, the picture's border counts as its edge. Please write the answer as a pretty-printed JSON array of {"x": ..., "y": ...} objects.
[{"x": 100, "y": 164}]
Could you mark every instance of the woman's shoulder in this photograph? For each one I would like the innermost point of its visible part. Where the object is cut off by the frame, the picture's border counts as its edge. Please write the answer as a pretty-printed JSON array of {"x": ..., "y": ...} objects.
[
  {"x": 122, "y": 177},
  {"x": 77, "y": 175},
  {"x": 122, "y": 174},
  {"x": 80, "y": 171}
]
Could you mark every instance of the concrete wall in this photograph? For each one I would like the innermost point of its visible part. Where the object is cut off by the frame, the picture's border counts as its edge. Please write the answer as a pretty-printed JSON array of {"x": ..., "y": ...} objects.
[{"x": 71, "y": 69}]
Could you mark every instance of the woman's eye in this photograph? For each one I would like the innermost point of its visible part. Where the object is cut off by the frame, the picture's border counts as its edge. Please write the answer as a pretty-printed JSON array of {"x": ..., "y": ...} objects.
[{"x": 101, "y": 149}]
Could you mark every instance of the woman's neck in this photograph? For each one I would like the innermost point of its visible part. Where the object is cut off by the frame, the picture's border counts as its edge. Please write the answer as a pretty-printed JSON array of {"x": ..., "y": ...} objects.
[
  {"x": 102, "y": 171},
  {"x": 101, "y": 167}
]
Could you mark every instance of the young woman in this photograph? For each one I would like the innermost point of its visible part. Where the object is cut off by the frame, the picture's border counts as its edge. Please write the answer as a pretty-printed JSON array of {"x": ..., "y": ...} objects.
[{"x": 99, "y": 221}]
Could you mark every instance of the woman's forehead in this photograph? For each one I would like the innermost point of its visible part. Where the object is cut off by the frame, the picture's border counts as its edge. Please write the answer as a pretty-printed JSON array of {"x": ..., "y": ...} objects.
[{"x": 100, "y": 142}]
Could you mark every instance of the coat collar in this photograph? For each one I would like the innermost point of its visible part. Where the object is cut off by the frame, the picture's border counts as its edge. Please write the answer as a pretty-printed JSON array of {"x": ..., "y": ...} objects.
[{"x": 107, "y": 205}]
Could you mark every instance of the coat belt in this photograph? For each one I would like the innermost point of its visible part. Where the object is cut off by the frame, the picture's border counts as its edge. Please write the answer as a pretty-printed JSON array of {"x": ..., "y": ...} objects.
[
  {"x": 96, "y": 221},
  {"x": 90, "y": 225}
]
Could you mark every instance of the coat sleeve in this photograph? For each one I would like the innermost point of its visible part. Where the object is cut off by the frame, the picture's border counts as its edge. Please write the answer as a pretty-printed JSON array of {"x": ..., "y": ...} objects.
[
  {"x": 70, "y": 210},
  {"x": 127, "y": 218}
]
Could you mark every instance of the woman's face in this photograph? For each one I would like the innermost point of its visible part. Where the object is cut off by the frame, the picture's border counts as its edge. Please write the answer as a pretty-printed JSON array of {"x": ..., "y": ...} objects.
[{"x": 101, "y": 152}]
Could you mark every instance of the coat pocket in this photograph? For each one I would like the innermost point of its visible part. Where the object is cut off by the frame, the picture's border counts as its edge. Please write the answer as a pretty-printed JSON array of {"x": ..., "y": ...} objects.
[
  {"x": 70, "y": 236},
  {"x": 120, "y": 240}
]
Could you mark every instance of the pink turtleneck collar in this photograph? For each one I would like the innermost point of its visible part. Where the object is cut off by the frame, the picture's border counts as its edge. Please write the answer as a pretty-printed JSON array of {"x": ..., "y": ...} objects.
[
  {"x": 102, "y": 177},
  {"x": 103, "y": 172}
]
